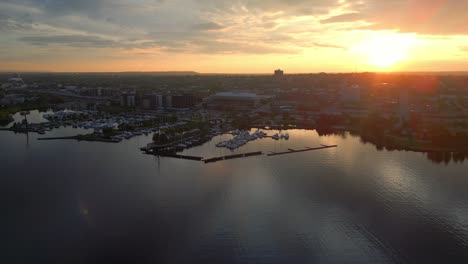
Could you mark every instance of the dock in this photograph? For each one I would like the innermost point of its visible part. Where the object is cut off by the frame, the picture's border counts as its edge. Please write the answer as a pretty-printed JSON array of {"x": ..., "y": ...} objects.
[
  {"x": 58, "y": 138},
  {"x": 291, "y": 151},
  {"x": 236, "y": 156},
  {"x": 176, "y": 156},
  {"x": 171, "y": 155},
  {"x": 151, "y": 151}
]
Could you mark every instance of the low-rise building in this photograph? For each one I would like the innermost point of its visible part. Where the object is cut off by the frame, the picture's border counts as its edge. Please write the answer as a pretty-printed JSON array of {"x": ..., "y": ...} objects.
[{"x": 232, "y": 101}]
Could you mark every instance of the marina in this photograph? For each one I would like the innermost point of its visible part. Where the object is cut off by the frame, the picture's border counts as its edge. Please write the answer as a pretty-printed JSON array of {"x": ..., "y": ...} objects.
[
  {"x": 242, "y": 137},
  {"x": 157, "y": 195}
]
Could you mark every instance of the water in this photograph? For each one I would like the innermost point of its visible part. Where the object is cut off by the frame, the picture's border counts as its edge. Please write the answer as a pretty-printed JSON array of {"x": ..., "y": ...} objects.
[{"x": 83, "y": 202}]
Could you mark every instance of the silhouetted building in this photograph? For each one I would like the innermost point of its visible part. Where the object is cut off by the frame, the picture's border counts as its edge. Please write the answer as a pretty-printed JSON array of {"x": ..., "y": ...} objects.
[
  {"x": 128, "y": 99},
  {"x": 279, "y": 73},
  {"x": 183, "y": 101}
]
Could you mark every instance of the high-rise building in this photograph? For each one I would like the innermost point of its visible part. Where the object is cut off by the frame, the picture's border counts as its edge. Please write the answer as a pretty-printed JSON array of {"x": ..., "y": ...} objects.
[
  {"x": 131, "y": 100},
  {"x": 128, "y": 99},
  {"x": 123, "y": 99},
  {"x": 279, "y": 73}
]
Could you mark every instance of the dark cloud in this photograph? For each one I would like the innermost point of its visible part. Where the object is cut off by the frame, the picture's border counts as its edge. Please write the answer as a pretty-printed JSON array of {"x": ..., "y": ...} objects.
[
  {"x": 65, "y": 7},
  {"x": 70, "y": 40}
]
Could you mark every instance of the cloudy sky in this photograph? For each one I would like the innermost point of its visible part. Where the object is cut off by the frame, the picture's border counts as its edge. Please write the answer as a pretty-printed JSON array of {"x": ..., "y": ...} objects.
[{"x": 234, "y": 36}]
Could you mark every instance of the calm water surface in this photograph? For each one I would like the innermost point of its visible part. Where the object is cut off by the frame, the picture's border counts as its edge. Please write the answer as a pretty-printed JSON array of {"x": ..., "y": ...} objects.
[{"x": 82, "y": 202}]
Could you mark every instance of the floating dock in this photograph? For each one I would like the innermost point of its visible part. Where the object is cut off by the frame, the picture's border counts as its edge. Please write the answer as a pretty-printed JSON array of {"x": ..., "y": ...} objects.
[
  {"x": 173, "y": 155},
  {"x": 291, "y": 151},
  {"x": 236, "y": 156},
  {"x": 181, "y": 157},
  {"x": 230, "y": 157},
  {"x": 58, "y": 138}
]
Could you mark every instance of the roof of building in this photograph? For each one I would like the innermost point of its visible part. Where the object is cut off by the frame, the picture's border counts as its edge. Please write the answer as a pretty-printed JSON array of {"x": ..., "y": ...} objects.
[{"x": 15, "y": 80}]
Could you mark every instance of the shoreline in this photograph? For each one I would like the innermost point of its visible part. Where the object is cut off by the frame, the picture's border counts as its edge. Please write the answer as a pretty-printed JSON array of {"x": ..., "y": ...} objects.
[{"x": 388, "y": 147}]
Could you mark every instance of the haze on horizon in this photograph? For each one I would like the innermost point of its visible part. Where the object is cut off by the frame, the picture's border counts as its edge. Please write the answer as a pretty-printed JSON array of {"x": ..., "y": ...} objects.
[{"x": 236, "y": 36}]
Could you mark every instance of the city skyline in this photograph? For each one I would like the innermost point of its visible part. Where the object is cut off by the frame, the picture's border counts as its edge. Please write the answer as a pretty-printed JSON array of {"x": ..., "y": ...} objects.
[{"x": 233, "y": 36}]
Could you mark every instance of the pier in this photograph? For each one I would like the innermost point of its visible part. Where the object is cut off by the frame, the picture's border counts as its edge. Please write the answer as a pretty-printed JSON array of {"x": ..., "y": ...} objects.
[
  {"x": 170, "y": 155},
  {"x": 58, "y": 138},
  {"x": 211, "y": 160},
  {"x": 236, "y": 156},
  {"x": 291, "y": 151},
  {"x": 181, "y": 157}
]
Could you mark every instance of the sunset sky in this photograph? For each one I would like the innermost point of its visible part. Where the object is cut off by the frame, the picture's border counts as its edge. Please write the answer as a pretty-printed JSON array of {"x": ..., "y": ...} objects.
[{"x": 234, "y": 36}]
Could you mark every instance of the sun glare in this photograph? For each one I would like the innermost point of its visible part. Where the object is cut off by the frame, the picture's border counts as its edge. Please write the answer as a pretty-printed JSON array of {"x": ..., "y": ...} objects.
[{"x": 384, "y": 50}]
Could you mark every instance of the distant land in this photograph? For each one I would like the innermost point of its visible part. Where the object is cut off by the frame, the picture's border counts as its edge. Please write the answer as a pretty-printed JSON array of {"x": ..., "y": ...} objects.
[
  {"x": 459, "y": 73},
  {"x": 162, "y": 73},
  {"x": 191, "y": 73}
]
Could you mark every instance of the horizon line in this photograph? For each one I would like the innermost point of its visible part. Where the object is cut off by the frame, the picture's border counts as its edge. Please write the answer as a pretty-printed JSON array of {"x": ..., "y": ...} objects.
[{"x": 223, "y": 73}]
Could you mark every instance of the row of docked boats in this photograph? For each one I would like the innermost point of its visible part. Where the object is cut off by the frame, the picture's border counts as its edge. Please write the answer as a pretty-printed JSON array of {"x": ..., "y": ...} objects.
[
  {"x": 280, "y": 136},
  {"x": 241, "y": 138},
  {"x": 129, "y": 135}
]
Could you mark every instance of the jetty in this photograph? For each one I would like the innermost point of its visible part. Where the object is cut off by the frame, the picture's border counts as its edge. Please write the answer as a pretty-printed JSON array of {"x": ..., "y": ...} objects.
[
  {"x": 291, "y": 151},
  {"x": 236, "y": 156},
  {"x": 170, "y": 155},
  {"x": 88, "y": 138},
  {"x": 59, "y": 138},
  {"x": 194, "y": 158}
]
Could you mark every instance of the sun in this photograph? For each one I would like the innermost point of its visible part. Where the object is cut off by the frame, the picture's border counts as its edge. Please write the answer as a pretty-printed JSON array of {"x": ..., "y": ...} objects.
[{"x": 384, "y": 50}]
